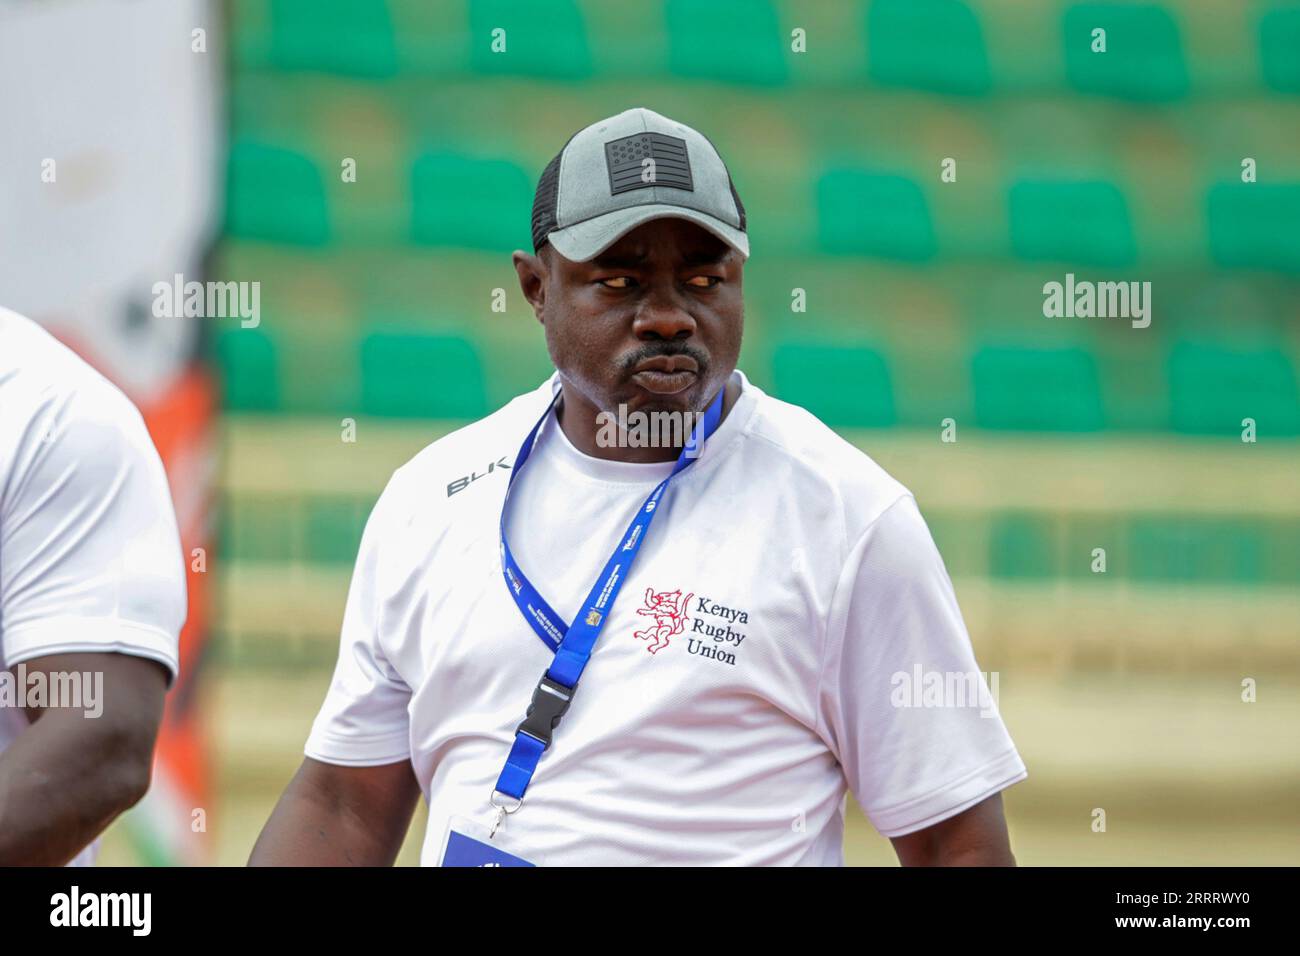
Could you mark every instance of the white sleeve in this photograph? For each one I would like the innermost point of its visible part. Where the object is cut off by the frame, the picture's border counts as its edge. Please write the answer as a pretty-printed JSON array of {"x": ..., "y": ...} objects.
[
  {"x": 901, "y": 700},
  {"x": 90, "y": 559},
  {"x": 365, "y": 719}
]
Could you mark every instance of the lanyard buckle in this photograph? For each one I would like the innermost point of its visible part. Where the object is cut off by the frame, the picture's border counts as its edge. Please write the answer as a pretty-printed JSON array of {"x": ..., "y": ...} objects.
[{"x": 550, "y": 701}]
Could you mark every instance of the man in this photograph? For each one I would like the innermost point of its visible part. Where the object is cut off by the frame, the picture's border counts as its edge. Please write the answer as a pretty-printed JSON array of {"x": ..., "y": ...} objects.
[
  {"x": 745, "y": 676},
  {"x": 92, "y": 599}
]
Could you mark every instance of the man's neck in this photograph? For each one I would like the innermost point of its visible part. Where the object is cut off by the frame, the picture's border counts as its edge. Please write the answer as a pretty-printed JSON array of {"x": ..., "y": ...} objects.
[{"x": 578, "y": 420}]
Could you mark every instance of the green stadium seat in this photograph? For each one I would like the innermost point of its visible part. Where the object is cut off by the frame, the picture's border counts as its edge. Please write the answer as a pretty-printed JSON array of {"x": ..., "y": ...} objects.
[
  {"x": 542, "y": 39},
  {"x": 469, "y": 202},
  {"x": 1082, "y": 532},
  {"x": 353, "y": 37},
  {"x": 1255, "y": 225},
  {"x": 1023, "y": 546},
  {"x": 1213, "y": 388},
  {"x": 250, "y": 371},
  {"x": 842, "y": 384},
  {"x": 275, "y": 194},
  {"x": 1077, "y": 222},
  {"x": 860, "y": 212},
  {"x": 1279, "y": 48},
  {"x": 1281, "y": 537},
  {"x": 409, "y": 375},
  {"x": 333, "y": 528},
  {"x": 1037, "y": 389},
  {"x": 736, "y": 41},
  {"x": 927, "y": 44},
  {"x": 259, "y": 528},
  {"x": 1195, "y": 549},
  {"x": 1143, "y": 58}
]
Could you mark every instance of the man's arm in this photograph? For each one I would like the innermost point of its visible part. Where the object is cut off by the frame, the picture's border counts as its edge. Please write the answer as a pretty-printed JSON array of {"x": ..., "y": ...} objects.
[
  {"x": 974, "y": 837},
  {"x": 331, "y": 815},
  {"x": 68, "y": 775}
]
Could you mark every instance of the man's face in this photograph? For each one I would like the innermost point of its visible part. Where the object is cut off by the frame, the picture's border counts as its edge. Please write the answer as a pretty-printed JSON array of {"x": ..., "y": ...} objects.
[{"x": 654, "y": 322}]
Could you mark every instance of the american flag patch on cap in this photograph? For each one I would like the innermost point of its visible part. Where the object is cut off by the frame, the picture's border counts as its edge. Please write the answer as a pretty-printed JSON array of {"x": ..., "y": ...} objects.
[{"x": 625, "y": 159}]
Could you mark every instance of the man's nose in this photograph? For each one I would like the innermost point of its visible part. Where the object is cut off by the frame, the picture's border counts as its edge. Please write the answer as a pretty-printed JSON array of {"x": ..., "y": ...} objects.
[{"x": 662, "y": 314}]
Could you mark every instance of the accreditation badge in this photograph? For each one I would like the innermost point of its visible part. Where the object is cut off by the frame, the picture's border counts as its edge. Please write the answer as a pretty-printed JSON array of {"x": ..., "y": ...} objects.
[{"x": 470, "y": 843}]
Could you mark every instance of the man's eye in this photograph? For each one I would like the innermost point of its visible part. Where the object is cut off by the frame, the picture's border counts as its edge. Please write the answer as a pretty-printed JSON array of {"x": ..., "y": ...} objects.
[
  {"x": 704, "y": 282},
  {"x": 617, "y": 282}
]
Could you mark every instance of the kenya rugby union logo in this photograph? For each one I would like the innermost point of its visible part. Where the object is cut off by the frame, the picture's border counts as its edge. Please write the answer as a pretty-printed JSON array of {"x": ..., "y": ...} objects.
[
  {"x": 668, "y": 611},
  {"x": 673, "y": 614}
]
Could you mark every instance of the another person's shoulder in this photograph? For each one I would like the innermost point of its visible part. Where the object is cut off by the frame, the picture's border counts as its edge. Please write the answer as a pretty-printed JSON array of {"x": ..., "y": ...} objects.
[
  {"x": 92, "y": 552},
  {"x": 831, "y": 471},
  {"x": 47, "y": 391}
]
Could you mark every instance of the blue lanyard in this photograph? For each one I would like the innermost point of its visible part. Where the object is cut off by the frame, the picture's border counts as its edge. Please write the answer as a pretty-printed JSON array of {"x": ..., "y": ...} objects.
[{"x": 574, "y": 643}]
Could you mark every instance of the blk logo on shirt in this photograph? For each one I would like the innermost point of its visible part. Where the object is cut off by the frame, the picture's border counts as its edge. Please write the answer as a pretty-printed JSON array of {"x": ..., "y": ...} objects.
[{"x": 672, "y": 615}]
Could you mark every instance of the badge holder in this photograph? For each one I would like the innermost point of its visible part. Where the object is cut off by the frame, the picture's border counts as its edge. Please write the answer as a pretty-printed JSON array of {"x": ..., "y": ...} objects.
[{"x": 469, "y": 842}]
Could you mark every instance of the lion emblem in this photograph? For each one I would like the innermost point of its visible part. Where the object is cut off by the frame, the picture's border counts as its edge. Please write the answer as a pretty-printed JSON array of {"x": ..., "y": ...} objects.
[{"x": 668, "y": 610}]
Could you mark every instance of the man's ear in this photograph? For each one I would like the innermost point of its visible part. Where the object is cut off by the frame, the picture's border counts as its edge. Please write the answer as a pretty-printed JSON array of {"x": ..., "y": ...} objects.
[{"x": 532, "y": 271}]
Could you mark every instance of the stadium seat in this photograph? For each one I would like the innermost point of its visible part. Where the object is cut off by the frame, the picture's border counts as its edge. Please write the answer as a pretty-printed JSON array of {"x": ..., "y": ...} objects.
[
  {"x": 1213, "y": 388},
  {"x": 1078, "y": 222},
  {"x": 1195, "y": 548},
  {"x": 409, "y": 375},
  {"x": 275, "y": 194},
  {"x": 259, "y": 528},
  {"x": 333, "y": 528},
  {"x": 249, "y": 367},
  {"x": 1143, "y": 58},
  {"x": 1281, "y": 537},
  {"x": 840, "y": 384},
  {"x": 1036, "y": 389},
  {"x": 927, "y": 44},
  {"x": 1023, "y": 546},
  {"x": 353, "y": 37},
  {"x": 1083, "y": 532},
  {"x": 1279, "y": 48},
  {"x": 736, "y": 41},
  {"x": 542, "y": 39},
  {"x": 860, "y": 212},
  {"x": 470, "y": 202},
  {"x": 1254, "y": 225}
]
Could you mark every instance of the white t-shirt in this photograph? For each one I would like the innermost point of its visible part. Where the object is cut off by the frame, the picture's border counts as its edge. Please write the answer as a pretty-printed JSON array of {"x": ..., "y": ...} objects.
[
  {"x": 746, "y": 676},
  {"x": 90, "y": 558}
]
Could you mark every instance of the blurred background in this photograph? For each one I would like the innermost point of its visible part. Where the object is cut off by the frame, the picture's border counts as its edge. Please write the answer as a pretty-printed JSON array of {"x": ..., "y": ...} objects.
[{"x": 370, "y": 165}]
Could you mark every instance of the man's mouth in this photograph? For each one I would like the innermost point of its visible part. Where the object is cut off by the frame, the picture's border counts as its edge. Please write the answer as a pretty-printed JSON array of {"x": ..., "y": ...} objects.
[{"x": 666, "y": 374}]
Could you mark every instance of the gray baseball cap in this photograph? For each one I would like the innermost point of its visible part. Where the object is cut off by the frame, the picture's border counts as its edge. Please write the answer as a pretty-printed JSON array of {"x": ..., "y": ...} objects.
[{"x": 623, "y": 171}]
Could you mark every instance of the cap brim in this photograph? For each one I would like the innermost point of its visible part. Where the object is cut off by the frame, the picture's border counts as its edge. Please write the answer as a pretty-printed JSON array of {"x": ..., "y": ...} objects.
[{"x": 589, "y": 238}]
